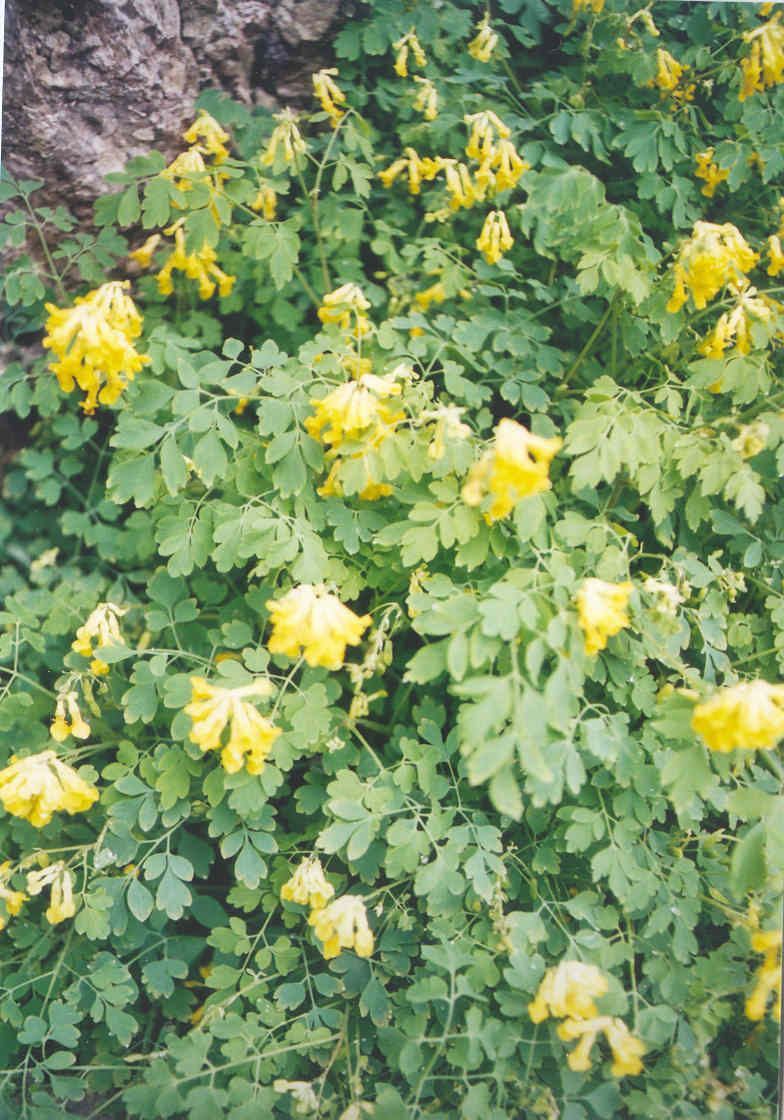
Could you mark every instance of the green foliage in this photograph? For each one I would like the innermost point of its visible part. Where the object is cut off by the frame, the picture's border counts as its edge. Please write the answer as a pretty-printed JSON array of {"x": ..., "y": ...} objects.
[{"x": 499, "y": 798}]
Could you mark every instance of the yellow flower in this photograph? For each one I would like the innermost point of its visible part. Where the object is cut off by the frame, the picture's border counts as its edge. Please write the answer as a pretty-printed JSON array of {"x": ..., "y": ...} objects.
[
  {"x": 495, "y": 238},
  {"x": 186, "y": 167},
  {"x": 751, "y": 439},
  {"x": 580, "y": 5},
  {"x": 37, "y": 786},
  {"x": 345, "y": 305},
  {"x": 626, "y": 1049},
  {"x": 308, "y": 620},
  {"x": 213, "y": 137},
  {"x": 768, "y": 975},
  {"x": 436, "y": 293},
  {"x": 426, "y": 100},
  {"x": 776, "y": 256},
  {"x": 735, "y": 323},
  {"x": 196, "y": 266},
  {"x": 329, "y": 95},
  {"x": 461, "y": 187},
  {"x": 343, "y": 925},
  {"x": 486, "y": 128},
  {"x": 409, "y": 40},
  {"x": 710, "y": 172},
  {"x": 101, "y": 629},
  {"x": 508, "y": 164},
  {"x": 669, "y": 75},
  {"x": 418, "y": 169},
  {"x": 308, "y": 885},
  {"x": 484, "y": 42},
  {"x": 748, "y": 716},
  {"x": 600, "y": 607},
  {"x": 61, "y": 899},
  {"x": 143, "y": 255},
  {"x": 348, "y": 411},
  {"x": 93, "y": 342},
  {"x": 60, "y": 728},
  {"x": 449, "y": 426},
  {"x": 568, "y": 989},
  {"x": 265, "y": 201},
  {"x": 713, "y": 256},
  {"x": 250, "y": 733},
  {"x": 13, "y": 899},
  {"x": 765, "y": 65},
  {"x": 516, "y": 467},
  {"x": 285, "y": 135}
]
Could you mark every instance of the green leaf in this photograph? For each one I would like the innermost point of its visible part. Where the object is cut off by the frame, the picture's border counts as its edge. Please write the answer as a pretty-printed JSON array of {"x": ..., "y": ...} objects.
[
  {"x": 748, "y": 868},
  {"x": 128, "y": 211},
  {"x": 140, "y": 901}
]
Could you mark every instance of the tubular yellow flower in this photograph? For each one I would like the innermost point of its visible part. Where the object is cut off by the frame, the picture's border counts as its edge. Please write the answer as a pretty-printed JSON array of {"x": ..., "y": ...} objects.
[
  {"x": 61, "y": 899},
  {"x": 426, "y": 100},
  {"x": 601, "y": 613},
  {"x": 486, "y": 128},
  {"x": 143, "y": 255},
  {"x": 308, "y": 620},
  {"x": 199, "y": 266},
  {"x": 93, "y": 342},
  {"x": 709, "y": 171},
  {"x": 736, "y": 323},
  {"x": 776, "y": 256},
  {"x": 484, "y": 42},
  {"x": 509, "y": 166},
  {"x": 568, "y": 989},
  {"x": 581, "y": 5},
  {"x": 516, "y": 467},
  {"x": 348, "y": 411},
  {"x": 265, "y": 201},
  {"x": 286, "y": 136},
  {"x": 418, "y": 169},
  {"x": 402, "y": 46},
  {"x": 749, "y": 716},
  {"x": 329, "y": 94},
  {"x": 250, "y": 734},
  {"x": 60, "y": 727},
  {"x": 343, "y": 925},
  {"x": 495, "y": 238},
  {"x": 765, "y": 65},
  {"x": 626, "y": 1049},
  {"x": 37, "y": 786},
  {"x": 102, "y": 628},
  {"x": 213, "y": 138},
  {"x": 13, "y": 899},
  {"x": 768, "y": 975},
  {"x": 462, "y": 189},
  {"x": 186, "y": 167},
  {"x": 434, "y": 294},
  {"x": 712, "y": 257},
  {"x": 345, "y": 305},
  {"x": 308, "y": 885}
]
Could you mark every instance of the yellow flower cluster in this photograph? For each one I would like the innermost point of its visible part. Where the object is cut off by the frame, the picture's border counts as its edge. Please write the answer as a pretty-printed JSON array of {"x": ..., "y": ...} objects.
[
  {"x": 426, "y": 100},
  {"x": 748, "y": 716},
  {"x": 515, "y": 467},
  {"x": 61, "y": 900},
  {"x": 67, "y": 709},
  {"x": 713, "y": 256},
  {"x": 581, "y": 5},
  {"x": 37, "y": 786},
  {"x": 94, "y": 343},
  {"x": 250, "y": 734},
  {"x": 484, "y": 42},
  {"x": 418, "y": 169},
  {"x": 709, "y": 171},
  {"x": 405, "y": 43},
  {"x": 189, "y": 166},
  {"x": 601, "y": 611},
  {"x": 670, "y": 78},
  {"x": 764, "y": 66},
  {"x": 776, "y": 255},
  {"x": 351, "y": 410},
  {"x": 285, "y": 136},
  {"x": 768, "y": 975},
  {"x": 308, "y": 885},
  {"x": 736, "y": 323},
  {"x": 329, "y": 94},
  {"x": 495, "y": 238},
  {"x": 311, "y": 621},
  {"x": 12, "y": 899},
  {"x": 199, "y": 266},
  {"x": 567, "y": 992},
  {"x": 102, "y": 628},
  {"x": 213, "y": 138},
  {"x": 500, "y": 166},
  {"x": 346, "y": 306},
  {"x": 265, "y": 201}
]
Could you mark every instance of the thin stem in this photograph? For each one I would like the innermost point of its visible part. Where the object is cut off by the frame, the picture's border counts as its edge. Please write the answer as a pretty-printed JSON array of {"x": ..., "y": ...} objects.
[{"x": 585, "y": 350}]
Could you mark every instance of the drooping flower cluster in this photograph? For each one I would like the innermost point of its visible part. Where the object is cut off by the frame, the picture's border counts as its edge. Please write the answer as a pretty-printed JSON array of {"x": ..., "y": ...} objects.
[
  {"x": 341, "y": 924},
  {"x": 567, "y": 992},
  {"x": 308, "y": 620},
  {"x": 94, "y": 343},
  {"x": 12, "y": 899},
  {"x": 713, "y": 256},
  {"x": 60, "y": 881},
  {"x": 484, "y": 42},
  {"x": 748, "y": 716},
  {"x": 352, "y": 410},
  {"x": 764, "y": 66},
  {"x": 346, "y": 306},
  {"x": 736, "y": 323},
  {"x": 768, "y": 975},
  {"x": 495, "y": 238},
  {"x": 329, "y": 94},
  {"x": 102, "y": 628},
  {"x": 709, "y": 171},
  {"x": 265, "y": 200},
  {"x": 286, "y": 137},
  {"x": 672, "y": 79},
  {"x": 199, "y": 266},
  {"x": 601, "y": 610},
  {"x": 251, "y": 734},
  {"x": 403, "y": 45},
  {"x": 515, "y": 467},
  {"x": 207, "y": 134},
  {"x": 38, "y": 786},
  {"x": 426, "y": 100},
  {"x": 68, "y": 719}
]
